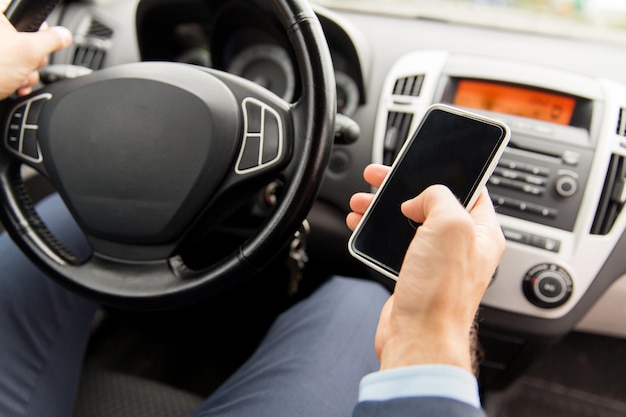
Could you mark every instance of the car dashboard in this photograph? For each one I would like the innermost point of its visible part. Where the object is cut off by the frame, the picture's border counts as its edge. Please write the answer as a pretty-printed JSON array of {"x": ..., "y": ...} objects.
[{"x": 559, "y": 189}]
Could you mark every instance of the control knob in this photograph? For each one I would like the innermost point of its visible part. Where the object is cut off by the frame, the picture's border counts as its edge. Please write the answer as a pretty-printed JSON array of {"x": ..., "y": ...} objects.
[
  {"x": 547, "y": 286},
  {"x": 566, "y": 185}
]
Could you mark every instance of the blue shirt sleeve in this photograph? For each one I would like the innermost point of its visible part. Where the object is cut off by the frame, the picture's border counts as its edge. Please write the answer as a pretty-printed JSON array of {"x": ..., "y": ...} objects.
[{"x": 421, "y": 381}]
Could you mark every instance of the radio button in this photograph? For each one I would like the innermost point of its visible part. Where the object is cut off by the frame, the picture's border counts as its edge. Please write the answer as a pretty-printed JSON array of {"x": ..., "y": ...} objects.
[
  {"x": 501, "y": 201},
  {"x": 508, "y": 173},
  {"x": 570, "y": 158},
  {"x": 505, "y": 201},
  {"x": 516, "y": 235},
  {"x": 531, "y": 179},
  {"x": 542, "y": 211},
  {"x": 498, "y": 200},
  {"x": 551, "y": 245},
  {"x": 512, "y": 203},
  {"x": 541, "y": 242},
  {"x": 534, "y": 190},
  {"x": 517, "y": 185},
  {"x": 505, "y": 182},
  {"x": 512, "y": 165},
  {"x": 522, "y": 167},
  {"x": 507, "y": 163},
  {"x": 535, "y": 170}
]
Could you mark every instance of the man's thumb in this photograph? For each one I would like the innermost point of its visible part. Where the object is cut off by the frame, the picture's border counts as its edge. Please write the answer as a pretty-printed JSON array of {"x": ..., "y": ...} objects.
[{"x": 53, "y": 39}]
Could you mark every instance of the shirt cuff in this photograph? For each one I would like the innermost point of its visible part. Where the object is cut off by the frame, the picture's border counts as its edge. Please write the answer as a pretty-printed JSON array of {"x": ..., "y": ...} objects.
[{"x": 421, "y": 381}]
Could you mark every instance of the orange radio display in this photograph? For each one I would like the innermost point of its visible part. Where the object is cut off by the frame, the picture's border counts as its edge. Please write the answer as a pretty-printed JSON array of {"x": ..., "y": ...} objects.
[{"x": 517, "y": 101}]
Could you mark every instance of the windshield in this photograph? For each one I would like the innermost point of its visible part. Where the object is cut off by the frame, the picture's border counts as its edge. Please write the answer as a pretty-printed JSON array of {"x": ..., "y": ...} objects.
[{"x": 603, "y": 20}]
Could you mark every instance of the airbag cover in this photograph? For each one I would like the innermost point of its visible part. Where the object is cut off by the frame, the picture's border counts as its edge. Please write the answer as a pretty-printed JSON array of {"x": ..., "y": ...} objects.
[{"x": 137, "y": 151}]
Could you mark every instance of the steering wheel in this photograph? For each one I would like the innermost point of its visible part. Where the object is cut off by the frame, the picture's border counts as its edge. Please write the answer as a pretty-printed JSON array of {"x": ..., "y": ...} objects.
[{"x": 143, "y": 154}]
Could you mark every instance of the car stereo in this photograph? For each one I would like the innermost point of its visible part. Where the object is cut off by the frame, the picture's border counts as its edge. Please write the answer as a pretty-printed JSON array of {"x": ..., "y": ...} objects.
[{"x": 543, "y": 172}]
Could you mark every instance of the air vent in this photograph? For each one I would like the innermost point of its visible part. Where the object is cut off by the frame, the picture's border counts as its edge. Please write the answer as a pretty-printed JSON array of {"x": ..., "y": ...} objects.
[
  {"x": 409, "y": 86},
  {"x": 92, "y": 44},
  {"x": 89, "y": 56},
  {"x": 613, "y": 197},
  {"x": 98, "y": 29},
  {"x": 397, "y": 132},
  {"x": 621, "y": 122}
]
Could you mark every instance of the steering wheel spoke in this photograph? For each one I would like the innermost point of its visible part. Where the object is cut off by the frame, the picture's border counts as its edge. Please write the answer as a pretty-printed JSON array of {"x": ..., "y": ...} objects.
[
  {"x": 20, "y": 136},
  {"x": 264, "y": 137},
  {"x": 267, "y": 133}
]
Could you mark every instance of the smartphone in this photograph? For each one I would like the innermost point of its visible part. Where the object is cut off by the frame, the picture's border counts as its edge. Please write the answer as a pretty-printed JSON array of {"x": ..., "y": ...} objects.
[{"x": 451, "y": 146}]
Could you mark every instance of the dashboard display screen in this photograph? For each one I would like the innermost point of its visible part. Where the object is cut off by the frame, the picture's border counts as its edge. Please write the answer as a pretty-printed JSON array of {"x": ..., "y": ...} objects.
[{"x": 518, "y": 101}]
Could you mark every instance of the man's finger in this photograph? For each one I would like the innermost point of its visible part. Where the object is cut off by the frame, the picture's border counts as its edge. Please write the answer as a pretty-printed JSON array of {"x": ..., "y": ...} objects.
[
  {"x": 375, "y": 174},
  {"x": 435, "y": 198},
  {"x": 51, "y": 39},
  {"x": 353, "y": 219},
  {"x": 359, "y": 202}
]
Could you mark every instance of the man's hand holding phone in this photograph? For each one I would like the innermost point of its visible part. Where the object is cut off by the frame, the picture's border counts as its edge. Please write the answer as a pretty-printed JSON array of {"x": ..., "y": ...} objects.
[
  {"x": 446, "y": 270},
  {"x": 451, "y": 146}
]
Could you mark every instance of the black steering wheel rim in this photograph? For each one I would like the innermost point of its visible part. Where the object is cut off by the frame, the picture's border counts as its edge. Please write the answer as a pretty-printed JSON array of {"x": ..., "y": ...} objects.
[{"x": 169, "y": 283}]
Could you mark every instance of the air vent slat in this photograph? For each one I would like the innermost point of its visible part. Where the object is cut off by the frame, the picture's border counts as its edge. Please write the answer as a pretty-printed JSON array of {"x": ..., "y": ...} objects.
[
  {"x": 397, "y": 132},
  {"x": 79, "y": 55},
  {"x": 621, "y": 122},
  {"x": 399, "y": 87},
  {"x": 613, "y": 197},
  {"x": 409, "y": 86},
  {"x": 98, "y": 59}
]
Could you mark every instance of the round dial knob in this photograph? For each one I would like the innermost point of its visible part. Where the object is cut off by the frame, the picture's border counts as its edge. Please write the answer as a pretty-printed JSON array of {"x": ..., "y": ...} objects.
[
  {"x": 566, "y": 186},
  {"x": 547, "y": 286}
]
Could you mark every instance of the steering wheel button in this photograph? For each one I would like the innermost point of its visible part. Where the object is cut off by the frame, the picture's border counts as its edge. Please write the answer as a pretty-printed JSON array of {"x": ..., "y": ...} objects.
[
  {"x": 18, "y": 115},
  {"x": 249, "y": 157},
  {"x": 34, "y": 110},
  {"x": 253, "y": 116},
  {"x": 30, "y": 147},
  {"x": 271, "y": 138},
  {"x": 16, "y": 122},
  {"x": 13, "y": 142}
]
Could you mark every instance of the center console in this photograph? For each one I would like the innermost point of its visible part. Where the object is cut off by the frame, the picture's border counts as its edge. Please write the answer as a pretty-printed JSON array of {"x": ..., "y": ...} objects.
[{"x": 560, "y": 185}]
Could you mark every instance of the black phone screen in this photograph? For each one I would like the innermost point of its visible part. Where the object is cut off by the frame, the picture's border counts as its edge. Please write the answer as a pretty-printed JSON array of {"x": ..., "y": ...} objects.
[{"x": 447, "y": 149}]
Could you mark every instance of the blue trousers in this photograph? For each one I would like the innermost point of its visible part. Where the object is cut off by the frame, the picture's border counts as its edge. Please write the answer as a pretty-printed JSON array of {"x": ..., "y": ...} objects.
[{"x": 309, "y": 364}]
